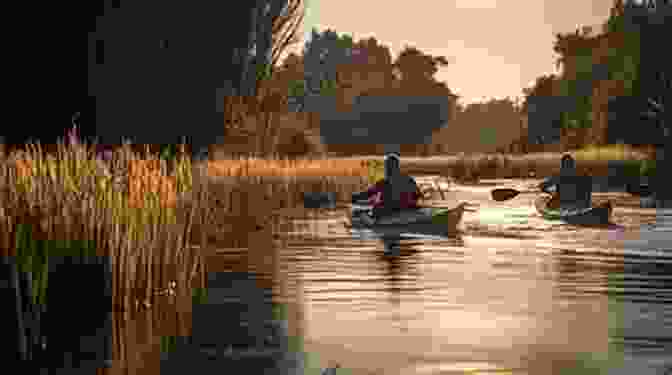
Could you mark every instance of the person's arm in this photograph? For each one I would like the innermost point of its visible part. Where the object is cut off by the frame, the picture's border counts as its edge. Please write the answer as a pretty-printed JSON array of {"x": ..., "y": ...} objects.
[{"x": 364, "y": 195}]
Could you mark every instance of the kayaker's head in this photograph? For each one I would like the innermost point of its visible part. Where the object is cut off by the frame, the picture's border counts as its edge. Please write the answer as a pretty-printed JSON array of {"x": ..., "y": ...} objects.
[
  {"x": 392, "y": 165},
  {"x": 567, "y": 164}
]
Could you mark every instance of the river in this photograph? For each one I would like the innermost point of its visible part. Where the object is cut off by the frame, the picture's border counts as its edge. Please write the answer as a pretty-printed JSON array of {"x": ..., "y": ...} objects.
[{"x": 512, "y": 294}]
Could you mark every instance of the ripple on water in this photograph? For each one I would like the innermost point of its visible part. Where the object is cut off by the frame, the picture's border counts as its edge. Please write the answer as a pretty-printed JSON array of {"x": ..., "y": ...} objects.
[{"x": 511, "y": 286}]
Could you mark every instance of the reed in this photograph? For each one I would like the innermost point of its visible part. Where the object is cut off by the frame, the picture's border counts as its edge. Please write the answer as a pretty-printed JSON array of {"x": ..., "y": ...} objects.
[
  {"x": 278, "y": 166},
  {"x": 73, "y": 203},
  {"x": 590, "y": 160},
  {"x": 610, "y": 152}
]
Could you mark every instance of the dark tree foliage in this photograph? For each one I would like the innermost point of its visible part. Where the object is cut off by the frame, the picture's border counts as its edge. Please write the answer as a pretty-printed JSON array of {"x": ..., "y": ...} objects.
[
  {"x": 645, "y": 117},
  {"x": 157, "y": 70},
  {"x": 648, "y": 107}
]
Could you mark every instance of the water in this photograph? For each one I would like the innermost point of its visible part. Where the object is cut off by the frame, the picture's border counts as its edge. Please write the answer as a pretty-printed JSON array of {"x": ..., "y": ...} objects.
[{"x": 513, "y": 294}]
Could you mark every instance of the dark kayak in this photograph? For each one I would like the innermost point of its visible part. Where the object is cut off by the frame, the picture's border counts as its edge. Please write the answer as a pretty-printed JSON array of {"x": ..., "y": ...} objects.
[
  {"x": 418, "y": 220},
  {"x": 596, "y": 215}
]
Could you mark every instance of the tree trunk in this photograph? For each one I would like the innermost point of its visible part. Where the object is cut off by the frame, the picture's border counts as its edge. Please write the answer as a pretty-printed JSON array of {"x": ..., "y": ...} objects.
[{"x": 260, "y": 40}]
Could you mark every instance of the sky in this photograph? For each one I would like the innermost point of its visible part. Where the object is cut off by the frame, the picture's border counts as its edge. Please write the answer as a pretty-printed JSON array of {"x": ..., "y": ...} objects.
[{"x": 496, "y": 47}]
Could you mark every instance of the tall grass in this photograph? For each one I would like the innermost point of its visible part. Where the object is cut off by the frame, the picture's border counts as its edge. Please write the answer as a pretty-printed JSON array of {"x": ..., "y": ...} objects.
[
  {"x": 278, "y": 166},
  {"x": 610, "y": 152},
  {"x": 595, "y": 161},
  {"x": 127, "y": 208}
]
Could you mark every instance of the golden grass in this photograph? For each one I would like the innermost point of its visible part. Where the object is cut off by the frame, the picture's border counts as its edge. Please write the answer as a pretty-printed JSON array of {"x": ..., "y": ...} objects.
[
  {"x": 146, "y": 220},
  {"x": 145, "y": 176},
  {"x": 134, "y": 214},
  {"x": 131, "y": 215},
  {"x": 471, "y": 167},
  {"x": 288, "y": 167},
  {"x": 610, "y": 152}
]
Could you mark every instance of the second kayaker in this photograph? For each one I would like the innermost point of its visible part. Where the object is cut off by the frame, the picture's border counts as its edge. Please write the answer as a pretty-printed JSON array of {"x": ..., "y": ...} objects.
[
  {"x": 395, "y": 192},
  {"x": 573, "y": 191}
]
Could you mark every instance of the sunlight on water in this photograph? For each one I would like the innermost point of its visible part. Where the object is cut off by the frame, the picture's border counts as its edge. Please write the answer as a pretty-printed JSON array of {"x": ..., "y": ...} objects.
[
  {"x": 511, "y": 293},
  {"x": 467, "y": 368},
  {"x": 508, "y": 291}
]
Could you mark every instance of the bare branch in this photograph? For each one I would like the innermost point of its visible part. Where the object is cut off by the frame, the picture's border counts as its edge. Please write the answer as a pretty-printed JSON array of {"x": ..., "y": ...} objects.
[
  {"x": 285, "y": 29},
  {"x": 288, "y": 38}
]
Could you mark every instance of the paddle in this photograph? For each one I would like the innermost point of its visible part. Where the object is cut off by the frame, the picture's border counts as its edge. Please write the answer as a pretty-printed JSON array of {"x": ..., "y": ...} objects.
[{"x": 505, "y": 194}]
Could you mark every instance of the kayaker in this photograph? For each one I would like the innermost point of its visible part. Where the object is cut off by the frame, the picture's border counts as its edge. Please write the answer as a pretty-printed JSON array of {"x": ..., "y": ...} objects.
[
  {"x": 572, "y": 191},
  {"x": 393, "y": 193}
]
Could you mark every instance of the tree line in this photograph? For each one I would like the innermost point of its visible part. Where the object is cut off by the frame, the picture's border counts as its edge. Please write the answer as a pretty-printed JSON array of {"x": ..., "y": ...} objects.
[{"x": 614, "y": 85}]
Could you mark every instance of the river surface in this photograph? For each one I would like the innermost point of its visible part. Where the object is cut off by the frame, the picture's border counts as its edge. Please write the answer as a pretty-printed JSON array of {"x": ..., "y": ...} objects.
[{"x": 512, "y": 294}]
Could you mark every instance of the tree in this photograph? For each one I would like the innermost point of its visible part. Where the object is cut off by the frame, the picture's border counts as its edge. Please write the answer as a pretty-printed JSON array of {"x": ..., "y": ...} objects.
[
  {"x": 335, "y": 67},
  {"x": 652, "y": 22},
  {"x": 283, "y": 35},
  {"x": 417, "y": 67},
  {"x": 166, "y": 77},
  {"x": 545, "y": 85},
  {"x": 645, "y": 70},
  {"x": 256, "y": 55},
  {"x": 285, "y": 29},
  {"x": 275, "y": 26}
]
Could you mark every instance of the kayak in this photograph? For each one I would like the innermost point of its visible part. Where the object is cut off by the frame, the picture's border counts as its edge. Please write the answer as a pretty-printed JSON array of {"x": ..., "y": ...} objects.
[
  {"x": 424, "y": 219},
  {"x": 596, "y": 215}
]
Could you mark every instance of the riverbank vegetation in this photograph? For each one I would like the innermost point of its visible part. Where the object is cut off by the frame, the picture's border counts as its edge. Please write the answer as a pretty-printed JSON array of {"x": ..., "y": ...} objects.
[
  {"x": 125, "y": 208},
  {"x": 148, "y": 218},
  {"x": 602, "y": 96}
]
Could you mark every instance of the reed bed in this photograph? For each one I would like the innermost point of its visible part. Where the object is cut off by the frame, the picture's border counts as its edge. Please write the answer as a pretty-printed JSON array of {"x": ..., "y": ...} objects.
[
  {"x": 612, "y": 152},
  {"x": 596, "y": 161},
  {"x": 126, "y": 208},
  {"x": 317, "y": 167},
  {"x": 240, "y": 207},
  {"x": 147, "y": 219}
]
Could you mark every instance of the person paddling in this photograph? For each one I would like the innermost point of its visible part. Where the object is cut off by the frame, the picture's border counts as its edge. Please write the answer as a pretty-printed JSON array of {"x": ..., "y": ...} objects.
[
  {"x": 573, "y": 192},
  {"x": 393, "y": 193}
]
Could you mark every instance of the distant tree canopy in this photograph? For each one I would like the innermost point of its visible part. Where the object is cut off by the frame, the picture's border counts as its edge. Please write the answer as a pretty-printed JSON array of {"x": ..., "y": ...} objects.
[
  {"x": 647, "y": 72},
  {"x": 336, "y": 74},
  {"x": 624, "y": 60},
  {"x": 492, "y": 117}
]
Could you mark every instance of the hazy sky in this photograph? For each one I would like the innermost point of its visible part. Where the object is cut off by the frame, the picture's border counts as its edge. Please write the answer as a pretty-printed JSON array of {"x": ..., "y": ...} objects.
[{"x": 496, "y": 47}]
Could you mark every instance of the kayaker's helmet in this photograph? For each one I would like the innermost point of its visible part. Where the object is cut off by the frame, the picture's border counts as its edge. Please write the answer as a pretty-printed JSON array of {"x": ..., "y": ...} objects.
[
  {"x": 392, "y": 164},
  {"x": 567, "y": 162}
]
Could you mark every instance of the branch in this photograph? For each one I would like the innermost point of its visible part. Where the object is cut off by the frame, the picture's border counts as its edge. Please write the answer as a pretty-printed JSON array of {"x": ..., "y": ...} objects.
[
  {"x": 288, "y": 38},
  {"x": 285, "y": 29}
]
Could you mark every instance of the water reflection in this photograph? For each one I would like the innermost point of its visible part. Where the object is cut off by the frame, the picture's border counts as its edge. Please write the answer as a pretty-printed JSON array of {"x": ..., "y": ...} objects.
[
  {"x": 512, "y": 294},
  {"x": 399, "y": 269},
  {"x": 522, "y": 294}
]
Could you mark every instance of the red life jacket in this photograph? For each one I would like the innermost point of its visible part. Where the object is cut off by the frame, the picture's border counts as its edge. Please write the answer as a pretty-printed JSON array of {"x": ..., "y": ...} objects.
[{"x": 404, "y": 195}]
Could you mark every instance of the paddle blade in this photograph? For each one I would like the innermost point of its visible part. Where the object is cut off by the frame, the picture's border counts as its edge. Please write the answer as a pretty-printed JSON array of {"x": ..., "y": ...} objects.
[{"x": 504, "y": 194}]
